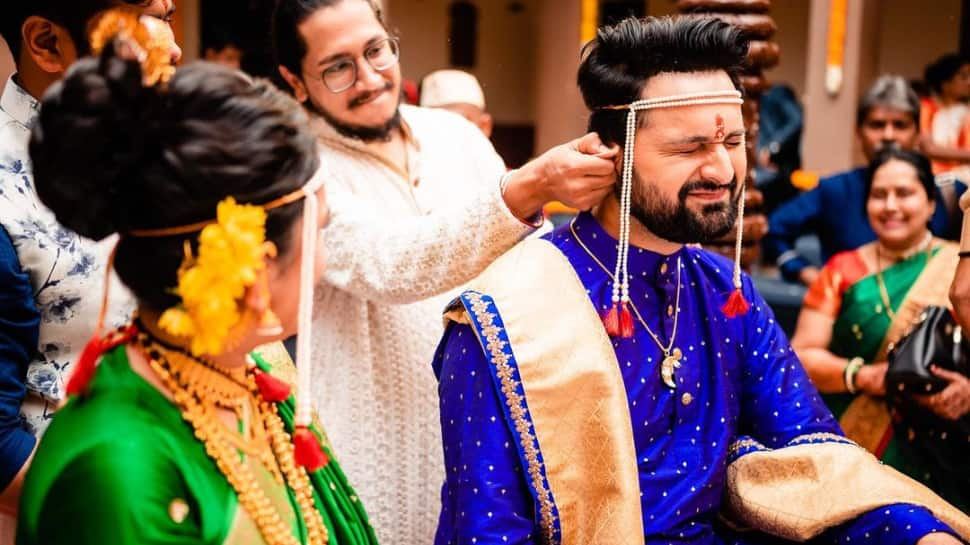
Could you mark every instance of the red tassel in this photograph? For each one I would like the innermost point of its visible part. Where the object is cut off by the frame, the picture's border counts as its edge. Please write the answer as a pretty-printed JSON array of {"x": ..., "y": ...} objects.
[
  {"x": 271, "y": 388},
  {"x": 87, "y": 363},
  {"x": 626, "y": 322},
  {"x": 611, "y": 321},
  {"x": 736, "y": 305},
  {"x": 307, "y": 450}
]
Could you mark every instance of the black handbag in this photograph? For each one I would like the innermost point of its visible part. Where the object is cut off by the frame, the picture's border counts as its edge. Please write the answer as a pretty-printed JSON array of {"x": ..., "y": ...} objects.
[
  {"x": 941, "y": 447},
  {"x": 937, "y": 340}
]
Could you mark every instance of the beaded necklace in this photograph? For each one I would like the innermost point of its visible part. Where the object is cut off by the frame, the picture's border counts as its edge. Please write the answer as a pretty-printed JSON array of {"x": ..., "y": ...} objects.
[
  {"x": 672, "y": 356},
  {"x": 198, "y": 389}
]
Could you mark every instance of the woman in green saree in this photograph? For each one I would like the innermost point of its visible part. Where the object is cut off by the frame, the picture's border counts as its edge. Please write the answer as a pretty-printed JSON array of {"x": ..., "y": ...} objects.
[
  {"x": 186, "y": 431},
  {"x": 865, "y": 300}
]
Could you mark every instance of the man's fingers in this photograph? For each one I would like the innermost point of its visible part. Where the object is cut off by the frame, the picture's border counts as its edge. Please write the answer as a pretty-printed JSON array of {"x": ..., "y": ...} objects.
[
  {"x": 590, "y": 144},
  {"x": 611, "y": 153},
  {"x": 600, "y": 183},
  {"x": 590, "y": 165}
]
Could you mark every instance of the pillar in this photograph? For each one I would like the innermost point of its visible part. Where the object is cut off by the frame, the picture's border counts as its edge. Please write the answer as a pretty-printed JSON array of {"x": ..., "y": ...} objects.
[{"x": 753, "y": 17}]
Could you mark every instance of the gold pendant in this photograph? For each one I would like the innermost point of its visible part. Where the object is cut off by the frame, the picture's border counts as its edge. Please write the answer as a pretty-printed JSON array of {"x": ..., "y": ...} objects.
[{"x": 670, "y": 363}]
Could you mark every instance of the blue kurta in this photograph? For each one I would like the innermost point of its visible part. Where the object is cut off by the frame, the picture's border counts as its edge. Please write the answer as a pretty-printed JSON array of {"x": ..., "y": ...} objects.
[{"x": 739, "y": 377}]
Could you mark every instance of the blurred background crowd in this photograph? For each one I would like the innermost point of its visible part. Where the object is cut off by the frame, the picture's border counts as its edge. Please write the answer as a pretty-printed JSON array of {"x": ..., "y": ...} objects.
[{"x": 859, "y": 138}]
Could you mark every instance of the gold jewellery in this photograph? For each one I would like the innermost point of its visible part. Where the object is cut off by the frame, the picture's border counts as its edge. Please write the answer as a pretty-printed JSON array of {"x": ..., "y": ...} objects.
[
  {"x": 923, "y": 246},
  {"x": 672, "y": 356},
  {"x": 199, "y": 390}
]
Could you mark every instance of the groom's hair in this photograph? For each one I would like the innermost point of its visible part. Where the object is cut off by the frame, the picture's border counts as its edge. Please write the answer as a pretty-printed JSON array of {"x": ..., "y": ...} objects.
[{"x": 617, "y": 64}]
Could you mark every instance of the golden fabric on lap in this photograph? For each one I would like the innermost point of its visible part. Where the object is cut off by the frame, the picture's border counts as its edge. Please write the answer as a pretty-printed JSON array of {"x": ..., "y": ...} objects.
[{"x": 799, "y": 491}]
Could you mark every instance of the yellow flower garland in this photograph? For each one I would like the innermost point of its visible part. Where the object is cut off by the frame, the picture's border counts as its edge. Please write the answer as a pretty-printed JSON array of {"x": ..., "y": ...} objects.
[{"x": 211, "y": 286}]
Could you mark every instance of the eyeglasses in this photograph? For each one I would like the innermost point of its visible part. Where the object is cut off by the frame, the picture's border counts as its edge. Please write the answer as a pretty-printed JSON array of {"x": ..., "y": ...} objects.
[{"x": 343, "y": 73}]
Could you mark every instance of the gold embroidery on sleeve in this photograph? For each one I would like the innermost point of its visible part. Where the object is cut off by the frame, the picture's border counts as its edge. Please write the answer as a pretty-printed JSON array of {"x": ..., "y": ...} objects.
[{"x": 495, "y": 346}]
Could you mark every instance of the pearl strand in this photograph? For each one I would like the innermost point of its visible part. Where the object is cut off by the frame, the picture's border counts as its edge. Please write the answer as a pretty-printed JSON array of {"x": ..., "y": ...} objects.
[
  {"x": 304, "y": 412},
  {"x": 621, "y": 283},
  {"x": 737, "y": 247}
]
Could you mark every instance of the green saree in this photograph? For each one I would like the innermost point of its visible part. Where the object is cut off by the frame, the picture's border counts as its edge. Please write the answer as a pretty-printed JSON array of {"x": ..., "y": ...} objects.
[
  {"x": 121, "y": 466},
  {"x": 863, "y": 323},
  {"x": 864, "y": 328}
]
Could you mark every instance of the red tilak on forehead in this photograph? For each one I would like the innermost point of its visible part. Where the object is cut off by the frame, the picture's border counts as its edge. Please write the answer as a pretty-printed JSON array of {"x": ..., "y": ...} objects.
[{"x": 719, "y": 130}]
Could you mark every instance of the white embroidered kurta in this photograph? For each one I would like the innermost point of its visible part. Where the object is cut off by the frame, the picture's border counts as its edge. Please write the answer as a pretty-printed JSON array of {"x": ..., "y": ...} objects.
[
  {"x": 66, "y": 271},
  {"x": 398, "y": 246}
]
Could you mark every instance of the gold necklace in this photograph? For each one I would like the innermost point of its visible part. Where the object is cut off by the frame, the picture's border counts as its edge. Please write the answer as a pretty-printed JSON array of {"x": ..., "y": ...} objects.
[
  {"x": 672, "y": 356},
  {"x": 197, "y": 390},
  {"x": 883, "y": 292}
]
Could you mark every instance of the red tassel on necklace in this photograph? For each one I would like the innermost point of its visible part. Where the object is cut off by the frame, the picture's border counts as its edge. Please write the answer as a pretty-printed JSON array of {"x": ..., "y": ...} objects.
[
  {"x": 307, "y": 451},
  {"x": 618, "y": 321},
  {"x": 87, "y": 363},
  {"x": 611, "y": 320},
  {"x": 626, "y": 322},
  {"x": 271, "y": 388},
  {"x": 736, "y": 305}
]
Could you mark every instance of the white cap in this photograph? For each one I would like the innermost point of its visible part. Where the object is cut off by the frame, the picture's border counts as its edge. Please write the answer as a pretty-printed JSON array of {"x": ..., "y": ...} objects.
[{"x": 446, "y": 87}]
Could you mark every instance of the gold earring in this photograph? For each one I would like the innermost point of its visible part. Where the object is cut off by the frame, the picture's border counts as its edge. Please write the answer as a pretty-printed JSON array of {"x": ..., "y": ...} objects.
[{"x": 269, "y": 323}]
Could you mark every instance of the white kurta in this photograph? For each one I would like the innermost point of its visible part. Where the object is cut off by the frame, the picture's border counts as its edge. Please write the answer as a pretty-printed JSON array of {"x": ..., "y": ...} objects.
[{"x": 398, "y": 247}]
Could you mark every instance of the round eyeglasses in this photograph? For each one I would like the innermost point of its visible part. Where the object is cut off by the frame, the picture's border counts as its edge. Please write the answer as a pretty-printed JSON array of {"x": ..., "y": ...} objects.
[{"x": 342, "y": 74}]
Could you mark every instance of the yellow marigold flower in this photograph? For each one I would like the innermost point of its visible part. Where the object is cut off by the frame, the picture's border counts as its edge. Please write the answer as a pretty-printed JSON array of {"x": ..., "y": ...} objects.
[
  {"x": 211, "y": 285},
  {"x": 177, "y": 322}
]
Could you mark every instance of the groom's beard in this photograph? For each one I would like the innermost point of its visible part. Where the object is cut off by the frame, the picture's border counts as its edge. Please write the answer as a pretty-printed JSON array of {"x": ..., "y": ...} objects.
[{"x": 675, "y": 221}]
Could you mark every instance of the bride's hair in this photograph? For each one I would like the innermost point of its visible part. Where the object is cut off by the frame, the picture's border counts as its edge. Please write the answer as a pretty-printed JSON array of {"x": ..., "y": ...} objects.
[{"x": 111, "y": 156}]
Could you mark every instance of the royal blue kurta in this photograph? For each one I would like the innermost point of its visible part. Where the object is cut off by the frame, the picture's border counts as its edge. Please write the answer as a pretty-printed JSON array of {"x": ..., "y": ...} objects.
[{"x": 739, "y": 377}]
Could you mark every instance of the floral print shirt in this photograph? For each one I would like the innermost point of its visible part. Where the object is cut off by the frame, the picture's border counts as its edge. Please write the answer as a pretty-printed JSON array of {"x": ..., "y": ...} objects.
[{"x": 66, "y": 271}]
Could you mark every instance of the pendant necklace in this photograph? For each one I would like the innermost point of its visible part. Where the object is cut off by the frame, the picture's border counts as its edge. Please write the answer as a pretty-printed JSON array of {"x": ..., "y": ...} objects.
[{"x": 672, "y": 356}]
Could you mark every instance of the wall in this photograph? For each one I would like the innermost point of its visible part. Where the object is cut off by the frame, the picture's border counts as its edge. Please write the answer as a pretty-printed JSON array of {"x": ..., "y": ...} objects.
[
  {"x": 506, "y": 50},
  {"x": 913, "y": 34},
  {"x": 6, "y": 62},
  {"x": 791, "y": 16},
  {"x": 890, "y": 36},
  {"x": 828, "y": 140},
  {"x": 560, "y": 113},
  {"x": 902, "y": 36},
  {"x": 187, "y": 31}
]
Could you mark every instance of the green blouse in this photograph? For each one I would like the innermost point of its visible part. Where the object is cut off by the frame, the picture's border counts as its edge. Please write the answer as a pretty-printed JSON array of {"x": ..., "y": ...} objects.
[{"x": 121, "y": 466}]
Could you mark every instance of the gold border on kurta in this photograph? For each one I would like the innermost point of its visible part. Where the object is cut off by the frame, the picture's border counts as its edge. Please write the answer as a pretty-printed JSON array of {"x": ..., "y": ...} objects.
[{"x": 576, "y": 396}]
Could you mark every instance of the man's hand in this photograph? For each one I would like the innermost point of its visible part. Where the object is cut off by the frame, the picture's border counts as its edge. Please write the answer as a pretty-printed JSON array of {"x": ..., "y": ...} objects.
[
  {"x": 578, "y": 174},
  {"x": 871, "y": 379},
  {"x": 953, "y": 402},
  {"x": 808, "y": 275},
  {"x": 938, "y": 538}
]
